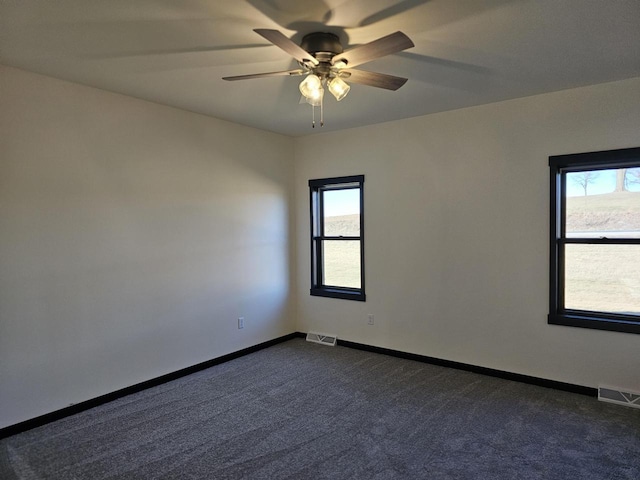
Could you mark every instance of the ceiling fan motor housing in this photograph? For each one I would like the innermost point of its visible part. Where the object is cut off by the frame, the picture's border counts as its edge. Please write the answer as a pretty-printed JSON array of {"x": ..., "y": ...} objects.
[{"x": 322, "y": 45}]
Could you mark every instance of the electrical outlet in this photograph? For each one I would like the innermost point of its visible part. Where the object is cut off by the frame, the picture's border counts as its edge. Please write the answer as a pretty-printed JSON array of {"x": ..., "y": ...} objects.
[
  {"x": 370, "y": 319},
  {"x": 240, "y": 322}
]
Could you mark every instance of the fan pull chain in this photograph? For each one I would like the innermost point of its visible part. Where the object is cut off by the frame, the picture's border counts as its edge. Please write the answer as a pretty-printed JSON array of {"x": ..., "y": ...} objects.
[{"x": 314, "y": 103}]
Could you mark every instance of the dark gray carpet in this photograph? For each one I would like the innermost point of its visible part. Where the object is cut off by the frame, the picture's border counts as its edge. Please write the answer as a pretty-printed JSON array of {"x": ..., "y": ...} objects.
[{"x": 305, "y": 411}]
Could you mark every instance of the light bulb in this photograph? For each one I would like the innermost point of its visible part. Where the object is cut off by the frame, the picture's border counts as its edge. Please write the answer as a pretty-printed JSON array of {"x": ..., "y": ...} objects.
[
  {"x": 338, "y": 88},
  {"x": 311, "y": 86},
  {"x": 316, "y": 98}
]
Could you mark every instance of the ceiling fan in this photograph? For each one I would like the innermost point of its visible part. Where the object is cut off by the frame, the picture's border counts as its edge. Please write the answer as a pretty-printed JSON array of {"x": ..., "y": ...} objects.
[{"x": 323, "y": 61}]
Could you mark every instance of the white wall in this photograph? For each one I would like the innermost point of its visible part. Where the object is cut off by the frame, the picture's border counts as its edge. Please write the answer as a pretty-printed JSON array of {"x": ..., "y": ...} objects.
[
  {"x": 132, "y": 236},
  {"x": 457, "y": 225}
]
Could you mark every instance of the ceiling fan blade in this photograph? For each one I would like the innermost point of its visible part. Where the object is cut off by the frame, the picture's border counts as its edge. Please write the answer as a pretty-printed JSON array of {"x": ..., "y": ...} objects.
[
  {"x": 373, "y": 79},
  {"x": 279, "y": 40},
  {"x": 393, "y": 43},
  {"x": 290, "y": 73}
]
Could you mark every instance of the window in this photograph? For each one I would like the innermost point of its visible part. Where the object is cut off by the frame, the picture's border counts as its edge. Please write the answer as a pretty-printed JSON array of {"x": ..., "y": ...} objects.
[
  {"x": 595, "y": 240},
  {"x": 337, "y": 237}
]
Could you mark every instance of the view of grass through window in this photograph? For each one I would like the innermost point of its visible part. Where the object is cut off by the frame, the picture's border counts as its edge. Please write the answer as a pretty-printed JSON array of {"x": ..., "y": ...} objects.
[
  {"x": 342, "y": 218},
  {"x": 604, "y": 278}
]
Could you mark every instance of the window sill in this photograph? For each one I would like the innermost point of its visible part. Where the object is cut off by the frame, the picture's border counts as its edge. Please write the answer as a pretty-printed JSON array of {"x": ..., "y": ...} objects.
[
  {"x": 342, "y": 293},
  {"x": 595, "y": 322}
]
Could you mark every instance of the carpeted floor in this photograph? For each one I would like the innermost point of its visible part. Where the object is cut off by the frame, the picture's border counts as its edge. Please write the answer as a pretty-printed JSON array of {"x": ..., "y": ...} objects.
[{"x": 304, "y": 411}]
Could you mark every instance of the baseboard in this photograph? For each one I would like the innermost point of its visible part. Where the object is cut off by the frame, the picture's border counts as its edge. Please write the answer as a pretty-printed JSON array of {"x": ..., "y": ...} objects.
[
  {"x": 82, "y": 406},
  {"x": 109, "y": 397},
  {"x": 516, "y": 377}
]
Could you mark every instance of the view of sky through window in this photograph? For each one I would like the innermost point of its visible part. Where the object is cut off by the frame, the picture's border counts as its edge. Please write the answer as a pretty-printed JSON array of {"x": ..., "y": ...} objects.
[
  {"x": 600, "y": 181},
  {"x": 342, "y": 202}
]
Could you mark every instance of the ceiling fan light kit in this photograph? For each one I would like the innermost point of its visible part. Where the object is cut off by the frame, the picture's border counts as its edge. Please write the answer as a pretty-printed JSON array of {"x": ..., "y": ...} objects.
[
  {"x": 311, "y": 87},
  {"x": 338, "y": 88},
  {"x": 325, "y": 64}
]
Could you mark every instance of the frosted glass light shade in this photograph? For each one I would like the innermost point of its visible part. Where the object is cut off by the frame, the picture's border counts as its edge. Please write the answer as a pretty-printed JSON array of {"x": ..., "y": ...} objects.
[
  {"x": 316, "y": 99},
  {"x": 338, "y": 88},
  {"x": 311, "y": 86}
]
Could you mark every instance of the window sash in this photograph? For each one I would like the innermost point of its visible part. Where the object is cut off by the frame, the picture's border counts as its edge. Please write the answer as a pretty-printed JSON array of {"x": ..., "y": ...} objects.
[
  {"x": 600, "y": 241},
  {"x": 317, "y": 216},
  {"x": 559, "y": 167}
]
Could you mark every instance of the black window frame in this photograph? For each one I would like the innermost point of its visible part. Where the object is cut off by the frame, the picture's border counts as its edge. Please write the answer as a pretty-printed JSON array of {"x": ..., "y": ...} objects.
[
  {"x": 560, "y": 165},
  {"x": 316, "y": 205}
]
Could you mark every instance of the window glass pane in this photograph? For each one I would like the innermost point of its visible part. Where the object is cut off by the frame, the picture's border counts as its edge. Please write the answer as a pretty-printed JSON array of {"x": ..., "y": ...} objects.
[
  {"x": 342, "y": 263},
  {"x": 342, "y": 212},
  {"x": 603, "y": 203},
  {"x": 602, "y": 278}
]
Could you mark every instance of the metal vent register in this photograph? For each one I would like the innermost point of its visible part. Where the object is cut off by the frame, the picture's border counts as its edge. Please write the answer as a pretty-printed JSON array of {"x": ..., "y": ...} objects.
[
  {"x": 611, "y": 395},
  {"x": 322, "y": 338}
]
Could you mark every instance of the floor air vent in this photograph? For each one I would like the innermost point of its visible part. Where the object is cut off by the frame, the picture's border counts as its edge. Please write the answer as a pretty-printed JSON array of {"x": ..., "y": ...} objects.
[
  {"x": 322, "y": 338},
  {"x": 611, "y": 395}
]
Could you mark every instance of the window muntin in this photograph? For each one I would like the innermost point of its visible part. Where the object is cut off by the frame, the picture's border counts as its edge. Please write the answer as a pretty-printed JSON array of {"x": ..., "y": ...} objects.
[
  {"x": 337, "y": 237},
  {"x": 595, "y": 240}
]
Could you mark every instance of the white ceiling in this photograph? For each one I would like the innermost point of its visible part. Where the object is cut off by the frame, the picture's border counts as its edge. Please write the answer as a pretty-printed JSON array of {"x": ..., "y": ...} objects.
[{"x": 468, "y": 52}]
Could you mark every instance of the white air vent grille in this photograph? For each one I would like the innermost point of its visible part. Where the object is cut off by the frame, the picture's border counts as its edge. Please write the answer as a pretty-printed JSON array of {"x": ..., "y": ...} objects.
[
  {"x": 322, "y": 338},
  {"x": 612, "y": 395}
]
